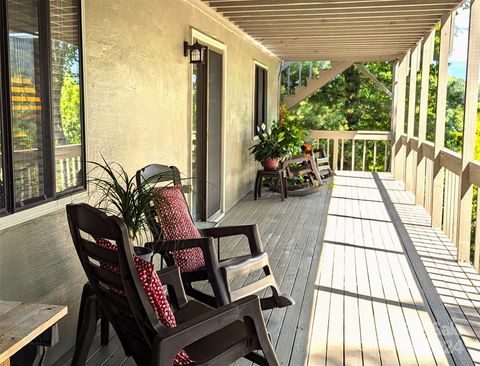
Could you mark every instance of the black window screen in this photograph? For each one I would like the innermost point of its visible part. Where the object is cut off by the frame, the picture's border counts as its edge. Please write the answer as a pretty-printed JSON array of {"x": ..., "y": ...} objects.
[
  {"x": 260, "y": 107},
  {"x": 40, "y": 102}
]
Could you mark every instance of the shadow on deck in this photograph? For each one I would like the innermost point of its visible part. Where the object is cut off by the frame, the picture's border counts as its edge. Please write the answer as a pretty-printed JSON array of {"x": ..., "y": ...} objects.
[
  {"x": 292, "y": 233},
  {"x": 366, "y": 271}
]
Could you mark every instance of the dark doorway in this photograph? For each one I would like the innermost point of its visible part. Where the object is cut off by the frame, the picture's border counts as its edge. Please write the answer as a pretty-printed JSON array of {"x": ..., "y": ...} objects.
[{"x": 207, "y": 137}]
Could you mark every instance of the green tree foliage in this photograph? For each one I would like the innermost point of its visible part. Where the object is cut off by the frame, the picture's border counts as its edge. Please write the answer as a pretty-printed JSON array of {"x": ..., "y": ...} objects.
[
  {"x": 70, "y": 109},
  {"x": 348, "y": 102}
]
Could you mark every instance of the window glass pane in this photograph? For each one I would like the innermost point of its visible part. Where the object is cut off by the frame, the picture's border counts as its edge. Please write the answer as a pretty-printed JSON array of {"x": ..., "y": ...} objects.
[
  {"x": 260, "y": 105},
  {"x": 2, "y": 154},
  {"x": 195, "y": 100},
  {"x": 26, "y": 103},
  {"x": 66, "y": 102}
]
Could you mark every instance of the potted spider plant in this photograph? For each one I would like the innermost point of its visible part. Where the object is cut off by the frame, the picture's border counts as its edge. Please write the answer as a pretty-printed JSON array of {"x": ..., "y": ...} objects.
[{"x": 117, "y": 193}]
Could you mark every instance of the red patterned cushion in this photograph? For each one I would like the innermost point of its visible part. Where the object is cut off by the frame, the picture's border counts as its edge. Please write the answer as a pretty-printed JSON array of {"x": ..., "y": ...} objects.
[
  {"x": 176, "y": 223},
  {"x": 156, "y": 295}
]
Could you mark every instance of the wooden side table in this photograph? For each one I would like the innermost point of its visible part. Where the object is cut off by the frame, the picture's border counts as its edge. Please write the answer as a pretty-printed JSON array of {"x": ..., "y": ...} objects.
[
  {"x": 21, "y": 324},
  {"x": 281, "y": 176}
]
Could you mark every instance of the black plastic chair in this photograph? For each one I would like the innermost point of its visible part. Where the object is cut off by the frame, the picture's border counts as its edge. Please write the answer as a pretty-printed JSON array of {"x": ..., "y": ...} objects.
[
  {"x": 219, "y": 272},
  {"x": 209, "y": 336}
]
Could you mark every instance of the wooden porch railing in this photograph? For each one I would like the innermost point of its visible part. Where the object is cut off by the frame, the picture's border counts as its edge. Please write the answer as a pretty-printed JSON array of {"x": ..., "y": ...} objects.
[
  {"x": 29, "y": 173},
  {"x": 355, "y": 150},
  {"x": 450, "y": 165}
]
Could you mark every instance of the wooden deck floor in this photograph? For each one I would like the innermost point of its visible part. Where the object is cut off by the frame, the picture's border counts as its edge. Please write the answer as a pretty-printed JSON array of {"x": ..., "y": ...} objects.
[
  {"x": 368, "y": 309},
  {"x": 363, "y": 297},
  {"x": 292, "y": 233},
  {"x": 458, "y": 284}
]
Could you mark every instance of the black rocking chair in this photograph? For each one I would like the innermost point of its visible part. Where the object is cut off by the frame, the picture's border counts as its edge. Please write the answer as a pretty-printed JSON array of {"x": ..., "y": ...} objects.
[
  {"x": 209, "y": 336},
  {"x": 219, "y": 272}
]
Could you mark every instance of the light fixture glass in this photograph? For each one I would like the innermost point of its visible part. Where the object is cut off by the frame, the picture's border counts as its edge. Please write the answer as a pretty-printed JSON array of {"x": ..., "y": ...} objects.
[{"x": 197, "y": 52}]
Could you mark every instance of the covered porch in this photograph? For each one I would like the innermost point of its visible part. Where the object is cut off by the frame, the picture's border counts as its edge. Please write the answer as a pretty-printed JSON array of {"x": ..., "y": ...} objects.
[
  {"x": 374, "y": 283},
  {"x": 383, "y": 262}
]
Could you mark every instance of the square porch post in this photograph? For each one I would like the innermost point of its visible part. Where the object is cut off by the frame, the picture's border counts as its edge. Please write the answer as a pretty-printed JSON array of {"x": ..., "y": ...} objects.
[
  {"x": 410, "y": 175},
  {"x": 398, "y": 116},
  {"x": 469, "y": 126},
  {"x": 427, "y": 58},
  {"x": 438, "y": 171}
]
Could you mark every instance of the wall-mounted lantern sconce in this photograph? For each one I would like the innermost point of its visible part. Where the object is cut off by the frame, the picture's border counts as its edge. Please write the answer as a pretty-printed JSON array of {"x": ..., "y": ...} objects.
[{"x": 197, "y": 52}]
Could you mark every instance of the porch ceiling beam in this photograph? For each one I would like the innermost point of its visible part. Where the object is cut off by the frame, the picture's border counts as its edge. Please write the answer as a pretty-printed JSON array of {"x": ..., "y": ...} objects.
[
  {"x": 314, "y": 33},
  {"x": 345, "y": 50},
  {"x": 334, "y": 3},
  {"x": 349, "y": 45},
  {"x": 319, "y": 32},
  {"x": 327, "y": 23},
  {"x": 339, "y": 24},
  {"x": 284, "y": 38},
  {"x": 332, "y": 57},
  {"x": 367, "y": 29},
  {"x": 345, "y": 45},
  {"x": 390, "y": 21},
  {"x": 340, "y": 11},
  {"x": 408, "y": 16},
  {"x": 334, "y": 26}
]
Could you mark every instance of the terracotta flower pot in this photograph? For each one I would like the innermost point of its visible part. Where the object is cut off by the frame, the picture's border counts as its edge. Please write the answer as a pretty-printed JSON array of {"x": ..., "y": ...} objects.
[{"x": 270, "y": 164}]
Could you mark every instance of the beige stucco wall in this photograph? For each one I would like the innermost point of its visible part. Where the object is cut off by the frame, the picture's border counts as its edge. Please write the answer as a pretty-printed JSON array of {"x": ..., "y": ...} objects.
[
  {"x": 137, "y": 109},
  {"x": 139, "y": 86}
]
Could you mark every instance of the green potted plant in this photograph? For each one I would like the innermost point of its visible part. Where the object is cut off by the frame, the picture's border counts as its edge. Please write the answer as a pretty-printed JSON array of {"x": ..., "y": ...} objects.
[
  {"x": 295, "y": 134},
  {"x": 270, "y": 148},
  {"x": 117, "y": 194}
]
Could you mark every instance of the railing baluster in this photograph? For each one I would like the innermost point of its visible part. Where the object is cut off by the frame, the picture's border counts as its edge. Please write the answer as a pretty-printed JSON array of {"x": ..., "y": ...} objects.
[
  {"x": 456, "y": 206},
  {"x": 364, "y": 154},
  {"x": 289, "y": 83},
  {"x": 347, "y": 159},
  {"x": 342, "y": 155},
  {"x": 446, "y": 206},
  {"x": 476, "y": 260},
  {"x": 452, "y": 205},
  {"x": 430, "y": 185},
  {"x": 387, "y": 154},
  {"x": 353, "y": 155},
  {"x": 300, "y": 73},
  {"x": 335, "y": 154},
  {"x": 67, "y": 173}
]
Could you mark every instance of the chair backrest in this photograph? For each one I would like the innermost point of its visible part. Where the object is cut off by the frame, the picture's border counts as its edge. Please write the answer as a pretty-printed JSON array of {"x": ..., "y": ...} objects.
[
  {"x": 158, "y": 175},
  {"x": 132, "y": 316}
]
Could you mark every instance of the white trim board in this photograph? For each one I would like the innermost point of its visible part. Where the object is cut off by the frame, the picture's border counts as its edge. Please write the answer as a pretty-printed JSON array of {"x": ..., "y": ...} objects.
[
  {"x": 41, "y": 210},
  {"x": 220, "y": 47}
]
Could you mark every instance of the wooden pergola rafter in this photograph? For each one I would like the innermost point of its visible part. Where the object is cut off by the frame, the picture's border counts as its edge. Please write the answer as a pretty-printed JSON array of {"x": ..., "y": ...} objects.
[{"x": 336, "y": 30}]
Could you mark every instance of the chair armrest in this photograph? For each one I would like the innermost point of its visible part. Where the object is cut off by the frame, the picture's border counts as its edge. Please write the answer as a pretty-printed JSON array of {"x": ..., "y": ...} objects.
[
  {"x": 209, "y": 255},
  {"x": 245, "y": 267},
  {"x": 167, "y": 344},
  {"x": 170, "y": 277},
  {"x": 250, "y": 231}
]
